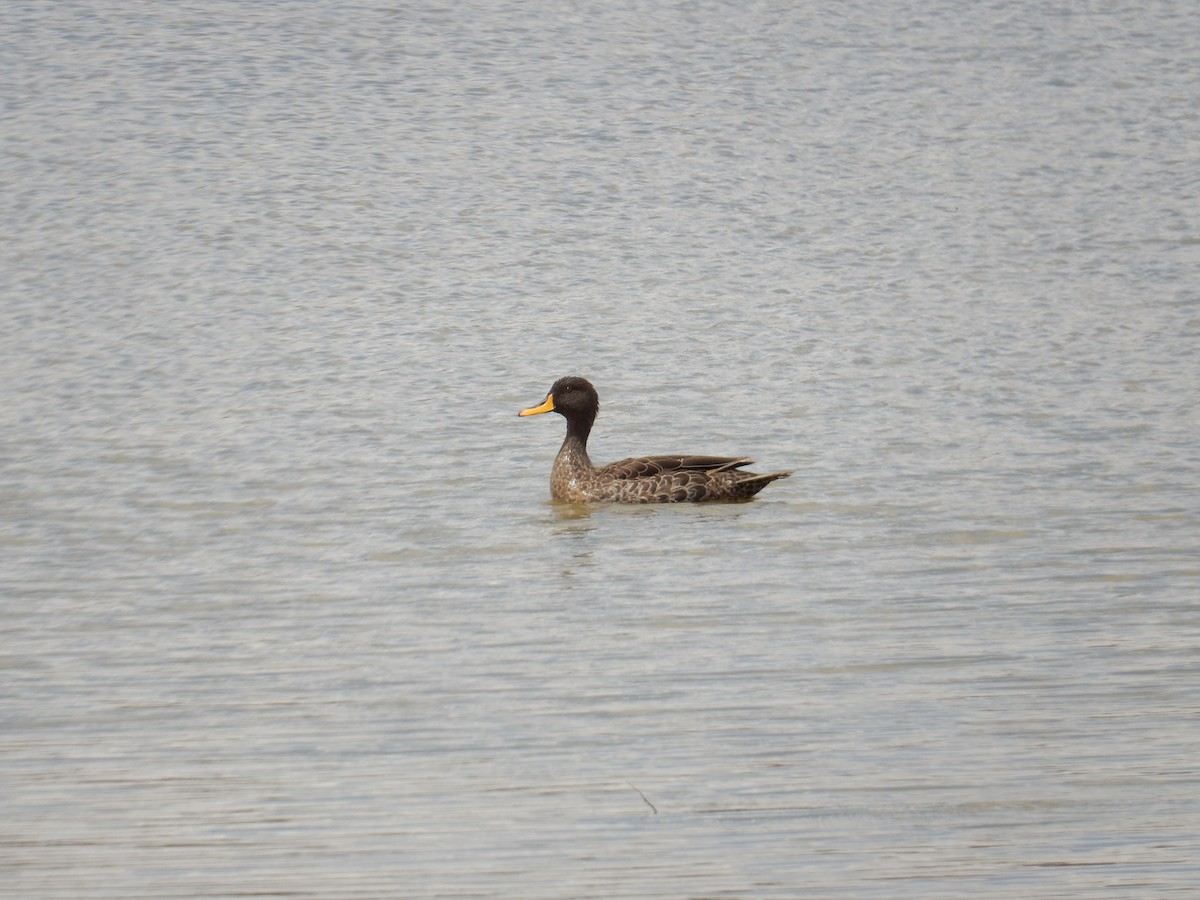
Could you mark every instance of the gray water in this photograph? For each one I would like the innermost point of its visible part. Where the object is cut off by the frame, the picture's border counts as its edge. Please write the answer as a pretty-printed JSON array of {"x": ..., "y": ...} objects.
[{"x": 285, "y": 608}]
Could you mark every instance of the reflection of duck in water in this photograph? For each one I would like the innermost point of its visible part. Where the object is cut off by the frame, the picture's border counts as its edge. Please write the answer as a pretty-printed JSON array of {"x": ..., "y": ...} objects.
[{"x": 646, "y": 479}]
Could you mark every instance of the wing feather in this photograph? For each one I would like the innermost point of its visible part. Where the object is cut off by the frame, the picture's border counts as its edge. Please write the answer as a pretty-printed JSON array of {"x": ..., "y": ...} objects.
[{"x": 652, "y": 466}]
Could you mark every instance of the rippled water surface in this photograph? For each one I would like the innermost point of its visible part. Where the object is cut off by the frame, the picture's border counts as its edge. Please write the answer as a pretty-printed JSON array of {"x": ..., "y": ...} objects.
[{"x": 285, "y": 609}]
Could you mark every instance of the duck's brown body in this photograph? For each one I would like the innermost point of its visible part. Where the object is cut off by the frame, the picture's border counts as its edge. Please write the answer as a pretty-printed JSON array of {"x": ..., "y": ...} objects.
[{"x": 647, "y": 479}]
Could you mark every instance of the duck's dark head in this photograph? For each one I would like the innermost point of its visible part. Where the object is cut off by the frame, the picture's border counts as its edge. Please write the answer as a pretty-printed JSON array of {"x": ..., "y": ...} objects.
[{"x": 572, "y": 397}]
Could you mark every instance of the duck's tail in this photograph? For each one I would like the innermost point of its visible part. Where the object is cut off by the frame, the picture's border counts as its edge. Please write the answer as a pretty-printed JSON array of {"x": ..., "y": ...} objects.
[{"x": 752, "y": 483}]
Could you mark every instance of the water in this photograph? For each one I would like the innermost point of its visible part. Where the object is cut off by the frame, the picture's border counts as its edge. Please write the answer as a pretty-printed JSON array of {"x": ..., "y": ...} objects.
[{"x": 286, "y": 608}]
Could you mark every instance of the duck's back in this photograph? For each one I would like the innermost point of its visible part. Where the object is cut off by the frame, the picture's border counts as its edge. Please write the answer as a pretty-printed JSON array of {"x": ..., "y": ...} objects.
[{"x": 677, "y": 479}]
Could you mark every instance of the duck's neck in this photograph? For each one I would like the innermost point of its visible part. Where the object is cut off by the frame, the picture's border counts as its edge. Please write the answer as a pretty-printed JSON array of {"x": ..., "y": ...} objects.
[{"x": 574, "y": 446}]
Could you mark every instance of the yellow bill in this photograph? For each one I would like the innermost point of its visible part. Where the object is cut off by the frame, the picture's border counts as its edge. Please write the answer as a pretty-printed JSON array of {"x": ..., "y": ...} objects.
[{"x": 546, "y": 407}]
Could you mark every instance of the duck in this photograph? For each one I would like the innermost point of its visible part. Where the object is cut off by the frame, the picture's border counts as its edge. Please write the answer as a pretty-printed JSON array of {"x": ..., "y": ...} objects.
[{"x": 673, "y": 478}]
